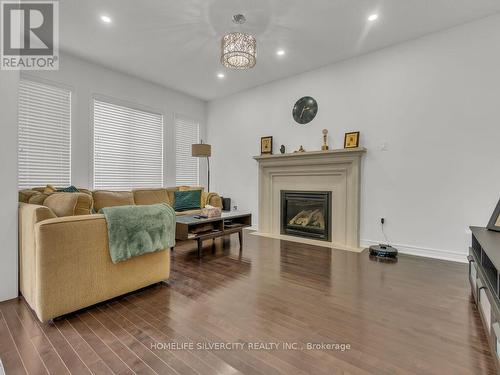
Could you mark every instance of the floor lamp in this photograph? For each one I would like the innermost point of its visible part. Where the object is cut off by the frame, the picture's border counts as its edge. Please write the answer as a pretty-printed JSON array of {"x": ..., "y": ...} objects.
[{"x": 202, "y": 150}]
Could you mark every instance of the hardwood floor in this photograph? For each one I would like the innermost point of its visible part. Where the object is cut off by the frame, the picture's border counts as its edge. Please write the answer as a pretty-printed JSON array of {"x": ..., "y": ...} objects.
[{"x": 415, "y": 316}]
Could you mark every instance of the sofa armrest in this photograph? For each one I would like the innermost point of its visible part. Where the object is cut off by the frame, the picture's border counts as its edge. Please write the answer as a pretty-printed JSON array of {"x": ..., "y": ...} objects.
[
  {"x": 29, "y": 215},
  {"x": 74, "y": 268},
  {"x": 213, "y": 199}
]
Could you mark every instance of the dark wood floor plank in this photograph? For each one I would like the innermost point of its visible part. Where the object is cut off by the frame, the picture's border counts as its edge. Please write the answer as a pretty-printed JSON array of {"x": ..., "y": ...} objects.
[
  {"x": 197, "y": 360},
  {"x": 133, "y": 361},
  {"x": 9, "y": 354},
  {"x": 376, "y": 301},
  {"x": 30, "y": 356},
  {"x": 226, "y": 326},
  {"x": 54, "y": 350},
  {"x": 236, "y": 361},
  {"x": 415, "y": 316},
  {"x": 378, "y": 337},
  {"x": 209, "y": 336},
  {"x": 132, "y": 342},
  {"x": 100, "y": 348},
  {"x": 223, "y": 324},
  {"x": 80, "y": 346},
  {"x": 181, "y": 361},
  {"x": 293, "y": 326}
]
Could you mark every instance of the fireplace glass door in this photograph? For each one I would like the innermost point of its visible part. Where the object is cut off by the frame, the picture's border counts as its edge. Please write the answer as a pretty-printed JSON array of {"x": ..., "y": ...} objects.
[{"x": 306, "y": 214}]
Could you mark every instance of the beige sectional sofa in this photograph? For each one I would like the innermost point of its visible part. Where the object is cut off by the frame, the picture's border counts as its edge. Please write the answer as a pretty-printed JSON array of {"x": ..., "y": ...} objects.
[{"x": 63, "y": 249}]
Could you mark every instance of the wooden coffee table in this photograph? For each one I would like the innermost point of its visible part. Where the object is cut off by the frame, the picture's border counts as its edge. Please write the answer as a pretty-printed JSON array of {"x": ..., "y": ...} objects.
[{"x": 188, "y": 227}]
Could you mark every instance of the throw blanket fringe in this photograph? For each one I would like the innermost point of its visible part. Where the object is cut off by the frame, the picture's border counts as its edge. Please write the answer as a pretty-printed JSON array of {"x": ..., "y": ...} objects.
[{"x": 137, "y": 230}]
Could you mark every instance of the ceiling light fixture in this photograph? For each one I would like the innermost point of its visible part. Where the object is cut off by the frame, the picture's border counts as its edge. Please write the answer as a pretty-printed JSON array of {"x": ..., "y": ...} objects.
[
  {"x": 373, "y": 17},
  {"x": 220, "y": 75},
  {"x": 280, "y": 52},
  {"x": 105, "y": 19},
  {"x": 238, "y": 49}
]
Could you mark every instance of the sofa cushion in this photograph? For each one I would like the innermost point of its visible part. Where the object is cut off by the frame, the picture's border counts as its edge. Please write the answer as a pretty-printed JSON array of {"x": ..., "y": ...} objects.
[
  {"x": 151, "y": 196},
  {"x": 69, "y": 204},
  {"x": 190, "y": 188},
  {"x": 187, "y": 200},
  {"x": 106, "y": 198},
  {"x": 26, "y": 194},
  {"x": 86, "y": 191},
  {"x": 38, "y": 198}
]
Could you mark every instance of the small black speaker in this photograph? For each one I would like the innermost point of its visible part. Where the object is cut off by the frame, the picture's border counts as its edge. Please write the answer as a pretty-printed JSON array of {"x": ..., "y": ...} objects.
[{"x": 226, "y": 204}]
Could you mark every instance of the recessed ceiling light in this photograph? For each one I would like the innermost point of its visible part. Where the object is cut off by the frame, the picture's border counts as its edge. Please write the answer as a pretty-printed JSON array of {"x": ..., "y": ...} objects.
[
  {"x": 373, "y": 17},
  {"x": 220, "y": 75},
  {"x": 106, "y": 19},
  {"x": 280, "y": 52}
]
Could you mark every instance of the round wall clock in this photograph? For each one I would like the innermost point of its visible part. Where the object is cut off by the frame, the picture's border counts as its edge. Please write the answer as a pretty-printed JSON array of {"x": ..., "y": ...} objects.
[{"x": 305, "y": 110}]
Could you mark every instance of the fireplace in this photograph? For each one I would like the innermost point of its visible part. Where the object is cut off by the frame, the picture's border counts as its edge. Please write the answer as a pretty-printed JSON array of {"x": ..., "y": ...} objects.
[{"x": 306, "y": 214}]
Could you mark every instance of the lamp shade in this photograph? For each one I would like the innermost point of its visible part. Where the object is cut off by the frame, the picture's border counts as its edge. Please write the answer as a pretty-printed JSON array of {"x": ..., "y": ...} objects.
[{"x": 201, "y": 150}]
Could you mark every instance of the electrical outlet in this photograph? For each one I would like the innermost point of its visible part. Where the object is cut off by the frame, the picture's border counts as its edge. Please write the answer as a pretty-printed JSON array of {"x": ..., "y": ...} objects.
[
  {"x": 382, "y": 220},
  {"x": 235, "y": 208}
]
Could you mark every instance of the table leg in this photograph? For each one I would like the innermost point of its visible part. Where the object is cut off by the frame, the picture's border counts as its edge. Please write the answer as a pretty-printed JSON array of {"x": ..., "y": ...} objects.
[
  {"x": 200, "y": 245},
  {"x": 240, "y": 236}
]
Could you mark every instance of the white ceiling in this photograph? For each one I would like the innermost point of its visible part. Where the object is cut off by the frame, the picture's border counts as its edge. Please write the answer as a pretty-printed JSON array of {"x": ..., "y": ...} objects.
[{"x": 176, "y": 43}]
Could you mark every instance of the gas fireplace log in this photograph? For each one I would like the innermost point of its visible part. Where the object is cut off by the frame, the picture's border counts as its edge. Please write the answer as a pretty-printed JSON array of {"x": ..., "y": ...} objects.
[{"x": 312, "y": 218}]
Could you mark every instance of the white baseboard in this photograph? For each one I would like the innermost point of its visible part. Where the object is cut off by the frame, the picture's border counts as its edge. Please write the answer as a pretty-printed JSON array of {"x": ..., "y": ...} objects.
[{"x": 453, "y": 256}]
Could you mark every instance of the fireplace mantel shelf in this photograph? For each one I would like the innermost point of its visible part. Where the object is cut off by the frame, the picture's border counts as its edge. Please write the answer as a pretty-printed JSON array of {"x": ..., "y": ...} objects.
[{"x": 338, "y": 152}]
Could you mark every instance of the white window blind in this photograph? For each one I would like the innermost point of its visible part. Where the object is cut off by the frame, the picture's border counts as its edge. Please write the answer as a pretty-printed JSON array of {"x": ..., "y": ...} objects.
[
  {"x": 128, "y": 147},
  {"x": 187, "y": 132},
  {"x": 44, "y": 135}
]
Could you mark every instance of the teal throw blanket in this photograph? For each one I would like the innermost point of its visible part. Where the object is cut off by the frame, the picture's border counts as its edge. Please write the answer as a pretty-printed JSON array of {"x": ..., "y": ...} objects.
[{"x": 137, "y": 230}]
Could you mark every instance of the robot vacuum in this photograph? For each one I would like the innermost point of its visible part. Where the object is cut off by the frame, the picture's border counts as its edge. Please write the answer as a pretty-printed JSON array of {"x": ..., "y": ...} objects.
[{"x": 383, "y": 251}]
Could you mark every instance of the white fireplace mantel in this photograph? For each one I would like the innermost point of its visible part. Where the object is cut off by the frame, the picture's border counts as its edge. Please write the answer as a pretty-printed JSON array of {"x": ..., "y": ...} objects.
[{"x": 337, "y": 171}]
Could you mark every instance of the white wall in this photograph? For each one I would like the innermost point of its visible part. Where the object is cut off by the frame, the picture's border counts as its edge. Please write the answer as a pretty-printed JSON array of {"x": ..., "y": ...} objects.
[
  {"x": 86, "y": 79},
  {"x": 435, "y": 103},
  {"x": 9, "y": 81}
]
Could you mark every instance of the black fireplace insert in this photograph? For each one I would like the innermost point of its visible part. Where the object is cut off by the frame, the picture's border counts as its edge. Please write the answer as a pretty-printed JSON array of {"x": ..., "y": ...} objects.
[{"x": 306, "y": 214}]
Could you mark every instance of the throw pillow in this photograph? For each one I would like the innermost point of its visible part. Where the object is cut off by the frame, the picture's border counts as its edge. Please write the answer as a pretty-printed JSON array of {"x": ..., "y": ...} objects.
[
  {"x": 187, "y": 200},
  {"x": 69, "y": 189}
]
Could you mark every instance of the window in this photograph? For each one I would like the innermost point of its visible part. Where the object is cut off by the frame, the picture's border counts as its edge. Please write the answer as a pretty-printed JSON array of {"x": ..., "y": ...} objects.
[
  {"x": 187, "y": 132},
  {"x": 128, "y": 147},
  {"x": 44, "y": 135}
]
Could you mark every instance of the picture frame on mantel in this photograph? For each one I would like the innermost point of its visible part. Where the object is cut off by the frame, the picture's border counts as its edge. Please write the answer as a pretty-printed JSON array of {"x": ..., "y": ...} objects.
[
  {"x": 351, "y": 140},
  {"x": 266, "y": 145},
  {"x": 494, "y": 223}
]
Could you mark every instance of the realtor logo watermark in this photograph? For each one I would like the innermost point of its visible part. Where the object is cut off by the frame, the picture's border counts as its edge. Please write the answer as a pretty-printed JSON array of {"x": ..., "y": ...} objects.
[{"x": 29, "y": 35}]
